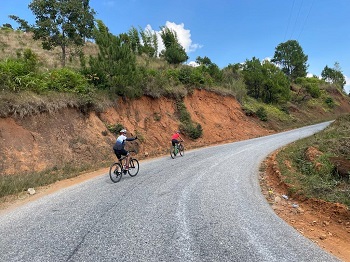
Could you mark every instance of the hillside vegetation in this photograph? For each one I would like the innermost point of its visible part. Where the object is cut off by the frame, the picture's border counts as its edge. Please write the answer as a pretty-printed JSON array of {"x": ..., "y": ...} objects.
[{"x": 96, "y": 76}]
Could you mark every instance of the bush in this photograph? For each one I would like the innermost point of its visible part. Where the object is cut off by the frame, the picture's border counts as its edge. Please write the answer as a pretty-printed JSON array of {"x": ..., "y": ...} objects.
[
  {"x": 114, "y": 128},
  {"x": 66, "y": 80},
  {"x": 330, "y": 102},
  {"x": 261, "y": 113},
  {"x": 187, "y": 126},
  {"x": 311, "y": 85}
]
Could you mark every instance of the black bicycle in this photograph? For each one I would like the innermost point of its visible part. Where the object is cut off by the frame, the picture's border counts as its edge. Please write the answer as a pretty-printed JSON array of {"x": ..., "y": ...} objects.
[
  {"x": 177, "y": 149},
  {"x": 117, "y": 169}
]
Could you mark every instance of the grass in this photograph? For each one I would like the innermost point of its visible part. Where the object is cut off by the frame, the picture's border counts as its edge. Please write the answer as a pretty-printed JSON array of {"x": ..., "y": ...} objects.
[
  {"x": 315, "y": 179},
  {"x": 17, "y": 183}
]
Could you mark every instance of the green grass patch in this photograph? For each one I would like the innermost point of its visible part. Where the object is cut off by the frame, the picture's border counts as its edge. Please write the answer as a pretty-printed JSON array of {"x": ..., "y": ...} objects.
[{"x": 316, "y": 179}]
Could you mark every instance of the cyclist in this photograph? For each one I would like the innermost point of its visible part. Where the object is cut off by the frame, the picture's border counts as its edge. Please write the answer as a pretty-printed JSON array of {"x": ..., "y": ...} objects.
[
  {"x": 175, "y": 138},
  {"x": 119, "y": 149}
]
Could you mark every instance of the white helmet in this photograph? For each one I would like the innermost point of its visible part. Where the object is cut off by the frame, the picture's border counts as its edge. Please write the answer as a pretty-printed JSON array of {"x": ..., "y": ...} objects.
[{"x": 123, "y": 131}]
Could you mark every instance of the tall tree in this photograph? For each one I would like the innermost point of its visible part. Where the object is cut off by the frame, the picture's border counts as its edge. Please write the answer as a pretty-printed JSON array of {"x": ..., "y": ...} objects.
[
  {"x": 149, "y": 42},
  {"x": 334, "y": 75},
  {"x": 174, "y": 53},
  {"x": 115, "y": 65},
  {"x": 291, "y": 59},
  {"x": 61, "y": 23}
]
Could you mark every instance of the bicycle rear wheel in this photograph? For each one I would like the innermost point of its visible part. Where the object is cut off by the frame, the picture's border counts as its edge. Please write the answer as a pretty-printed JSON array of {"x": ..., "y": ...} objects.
[
  {"x": 115, "y": 172},
  {"x": 133, "y": 167},
  {"x": 181, "y": 150},
  {"x": 172, "y": 152}
]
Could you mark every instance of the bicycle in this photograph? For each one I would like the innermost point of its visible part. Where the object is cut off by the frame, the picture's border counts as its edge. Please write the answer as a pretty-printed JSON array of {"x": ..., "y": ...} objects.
[
  {"x": 117, "y": 168},
  {"x": 177, "y": 149}
]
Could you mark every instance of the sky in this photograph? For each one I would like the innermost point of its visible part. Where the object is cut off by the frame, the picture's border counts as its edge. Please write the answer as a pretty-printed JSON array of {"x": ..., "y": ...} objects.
[{"x": 230, "y": 31}]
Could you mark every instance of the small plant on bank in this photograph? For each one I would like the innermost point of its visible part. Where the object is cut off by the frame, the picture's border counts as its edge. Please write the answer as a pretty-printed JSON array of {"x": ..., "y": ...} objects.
[
  {"x": 187, "y": 126},
  {"x": 261, "y": 113},
  {"x": 114, "y": 128}
]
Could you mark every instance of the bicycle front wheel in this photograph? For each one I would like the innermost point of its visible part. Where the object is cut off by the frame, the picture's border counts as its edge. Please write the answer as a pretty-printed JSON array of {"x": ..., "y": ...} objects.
[
  {"x": 133, "y": 167},
  {"x": 115, "y": 172},
  {"x": 181, "y": 150}
]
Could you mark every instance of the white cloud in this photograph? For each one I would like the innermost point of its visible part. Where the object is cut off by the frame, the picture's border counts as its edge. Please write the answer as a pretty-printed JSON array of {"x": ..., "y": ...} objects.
[
  {"x": 183, "y": 35},
  {"x": 347, "y": 85}
]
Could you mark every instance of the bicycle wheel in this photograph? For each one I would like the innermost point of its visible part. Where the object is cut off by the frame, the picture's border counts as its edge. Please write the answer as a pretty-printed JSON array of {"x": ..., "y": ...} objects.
[
  {"x": 115, "y": 172},
  {"x": 172, "y": 152},
  {"x": 181, "y": 150},
  {"x": 133, "y": 167}
]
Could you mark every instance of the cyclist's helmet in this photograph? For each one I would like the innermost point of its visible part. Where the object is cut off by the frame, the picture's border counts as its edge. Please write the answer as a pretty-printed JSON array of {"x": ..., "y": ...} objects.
[
  {"x": 178, "y": 131},
  {"x": 123, "y": 131}
]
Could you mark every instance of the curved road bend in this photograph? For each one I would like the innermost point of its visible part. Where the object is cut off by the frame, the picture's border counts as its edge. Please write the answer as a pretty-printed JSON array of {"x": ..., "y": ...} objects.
[{"x": 205, "y": 206}]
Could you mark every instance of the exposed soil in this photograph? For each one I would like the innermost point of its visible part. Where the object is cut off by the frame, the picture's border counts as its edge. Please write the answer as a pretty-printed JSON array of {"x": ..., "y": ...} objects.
[
  {"x": 46, "y": 141},
  {"x": 326, "y": 224}
]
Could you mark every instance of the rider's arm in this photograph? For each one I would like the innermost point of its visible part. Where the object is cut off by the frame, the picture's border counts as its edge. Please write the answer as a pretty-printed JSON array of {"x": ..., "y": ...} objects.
[{"x": 131, "y": 138}]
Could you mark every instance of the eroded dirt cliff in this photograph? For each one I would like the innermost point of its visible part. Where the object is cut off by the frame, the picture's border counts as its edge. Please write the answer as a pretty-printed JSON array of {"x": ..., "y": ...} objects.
[{"x": 71, "y": 138}]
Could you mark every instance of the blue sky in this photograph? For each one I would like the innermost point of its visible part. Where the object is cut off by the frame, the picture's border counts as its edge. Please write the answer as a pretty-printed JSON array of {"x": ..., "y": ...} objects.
[{"x": 231, "y": 31}]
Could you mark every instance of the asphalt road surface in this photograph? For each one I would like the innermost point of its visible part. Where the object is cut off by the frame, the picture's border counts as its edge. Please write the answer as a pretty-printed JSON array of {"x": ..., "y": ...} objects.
[{"x": 205, "y": 206}]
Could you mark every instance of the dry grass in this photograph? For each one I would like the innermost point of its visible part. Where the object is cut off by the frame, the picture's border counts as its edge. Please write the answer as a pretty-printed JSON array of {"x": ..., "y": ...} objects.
[{"x": 13, "y": 42}]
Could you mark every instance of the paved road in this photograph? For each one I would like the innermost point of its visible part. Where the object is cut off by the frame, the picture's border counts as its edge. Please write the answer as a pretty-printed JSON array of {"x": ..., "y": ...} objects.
[{"x": 205, "y": 206}]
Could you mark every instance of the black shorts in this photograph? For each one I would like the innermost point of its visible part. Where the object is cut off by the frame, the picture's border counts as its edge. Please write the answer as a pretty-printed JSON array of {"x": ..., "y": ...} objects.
[
  {"x": 120, "y": 153},
  {"x": 174, "y": 141}
]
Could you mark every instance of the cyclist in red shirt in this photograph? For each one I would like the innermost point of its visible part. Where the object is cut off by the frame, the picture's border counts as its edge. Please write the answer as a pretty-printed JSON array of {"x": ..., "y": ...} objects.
[{"x": 175, "y": 138}]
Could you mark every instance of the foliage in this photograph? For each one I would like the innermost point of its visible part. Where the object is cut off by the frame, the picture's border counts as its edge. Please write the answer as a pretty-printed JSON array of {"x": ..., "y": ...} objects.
[
  {"x": 317, "y": 181},
  {"x": 330, "y": 102},
  {"x": 261, "y": 113},
  {"x": 174, "y": 53},
  {"x": 61, "y": 23},
  {"x": 334, "y": 75},
  {"x": 115, "y": 65},
  {"x": 115, "y": 128},
  {"x": 210, "y": 68},
  {"x": 67, "y": 80},
  {"x": 187, "y": 126},
  {"x": 291, "y": 58},
  {"x": 310, "y": 85},
  {"x": 20, "y": 73},
  {"x": 265, "y": 81},
  {"x": 149, "y": 43}
]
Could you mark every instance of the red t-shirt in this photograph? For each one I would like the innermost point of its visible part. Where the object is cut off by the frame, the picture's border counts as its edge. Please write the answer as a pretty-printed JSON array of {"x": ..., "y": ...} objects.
[{"x": 175, "y": 136}]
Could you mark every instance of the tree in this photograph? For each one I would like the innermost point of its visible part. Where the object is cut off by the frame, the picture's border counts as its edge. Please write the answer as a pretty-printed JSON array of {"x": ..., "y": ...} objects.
[
  {"x": 149, "y": 42},
  {"x": 265, "y": 81},
  {"x": 174, "y": 53},
  {"x": 291, "y": 59},
  {"x": 24, "y": 26},
  {"x": 253, "y": 77},
  {"x": 209, "y": 67},
  {"x": 7, "y": 25},
  {"x": 115, "y": 66},
  {"x": 275, "y": 86},
  {"x": 334, "y": 75},
  {"x": 61, "y": 23}
]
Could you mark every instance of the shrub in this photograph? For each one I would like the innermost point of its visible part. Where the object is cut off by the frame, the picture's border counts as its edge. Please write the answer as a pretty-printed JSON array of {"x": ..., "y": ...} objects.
[
  {"x": 187, "y": 126},
  {"x": 261, "y": 113},
  {"x": 67, "y": 80},
  {"x": 330, "y": 102},
  {"x": 114, "y": 128}
]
